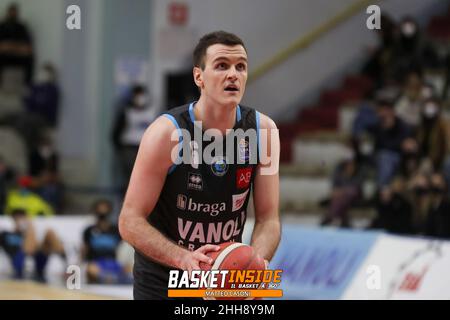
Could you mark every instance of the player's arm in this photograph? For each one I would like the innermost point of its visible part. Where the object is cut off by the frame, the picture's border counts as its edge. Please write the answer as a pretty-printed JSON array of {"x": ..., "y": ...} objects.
[
  {"x": 147, "y": 179},
  {"x": 267, "y": 229}
]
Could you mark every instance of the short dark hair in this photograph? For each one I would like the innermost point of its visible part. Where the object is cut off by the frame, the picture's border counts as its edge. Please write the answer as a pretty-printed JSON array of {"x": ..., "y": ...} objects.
[
  {"x": 18, "y": 212},
  {"x": 216, "y": 37},
  {"x": 385, "y": 104},
  {"x": 102, "y": 201},
  {"x": 137, "y": 89}
]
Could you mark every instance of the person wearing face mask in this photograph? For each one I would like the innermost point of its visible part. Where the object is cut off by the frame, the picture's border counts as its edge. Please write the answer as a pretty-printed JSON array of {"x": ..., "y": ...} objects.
[
  {"x": 129, "y": 126},
  {"x": 413, "y": 50},
  {"x": 43, "y": 97},
  {"x": 432, "y": 134},
  {"x": 43, "y": 166},
  {"x": 43, "y": 158},
  {"x": 16, "y": 47},
  {"x": 21, "y": 246},
  {"x": 378, "y": 66},
  {"x": 408, "y": 105},
  {"x": 100, "y": 244},
  {"x": 438, "y": 222}
]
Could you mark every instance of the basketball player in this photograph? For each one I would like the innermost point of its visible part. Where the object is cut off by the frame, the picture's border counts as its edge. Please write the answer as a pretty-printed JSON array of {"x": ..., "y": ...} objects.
[{"x": 173, "y": 215}]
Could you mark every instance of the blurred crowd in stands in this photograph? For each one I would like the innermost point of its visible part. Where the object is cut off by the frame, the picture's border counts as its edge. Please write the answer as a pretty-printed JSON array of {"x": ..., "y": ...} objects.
[
  {"x": 400, "y": 139},
  {"x": 400, "y": 142},
  {"x": 39, "y": 190}
]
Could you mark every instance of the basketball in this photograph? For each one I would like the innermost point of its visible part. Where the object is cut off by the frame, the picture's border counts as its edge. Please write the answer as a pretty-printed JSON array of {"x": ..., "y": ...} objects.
[{"x": 234, "y": 256}]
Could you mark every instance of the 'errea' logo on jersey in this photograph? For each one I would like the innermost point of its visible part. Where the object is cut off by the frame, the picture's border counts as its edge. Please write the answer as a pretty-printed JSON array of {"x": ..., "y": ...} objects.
[
  {"x": 195, "y": 181},
  {"x": 213, "y": 209}
]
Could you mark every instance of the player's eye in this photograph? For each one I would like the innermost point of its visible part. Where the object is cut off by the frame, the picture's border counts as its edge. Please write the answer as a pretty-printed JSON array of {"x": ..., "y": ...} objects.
[
  {"x": 241, "y": 67},
  {"x": 222, "y": 66}
]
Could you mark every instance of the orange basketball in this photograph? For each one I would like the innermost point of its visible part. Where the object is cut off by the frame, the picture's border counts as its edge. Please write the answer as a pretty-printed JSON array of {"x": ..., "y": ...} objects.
[{"x": 234, "y": 256}]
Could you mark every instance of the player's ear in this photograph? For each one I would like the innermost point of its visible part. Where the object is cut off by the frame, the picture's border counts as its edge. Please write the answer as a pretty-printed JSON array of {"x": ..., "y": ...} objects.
[{"x": 198, "y": 77}]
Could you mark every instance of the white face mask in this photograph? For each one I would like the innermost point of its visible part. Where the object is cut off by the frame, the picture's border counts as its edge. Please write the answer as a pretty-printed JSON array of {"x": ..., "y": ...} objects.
[
  {"x": 43, "y": 77},
  {"x": 408, "y": 29},
  {"x": 430, "y": 110},
  {"x": 366, "y": 148}
]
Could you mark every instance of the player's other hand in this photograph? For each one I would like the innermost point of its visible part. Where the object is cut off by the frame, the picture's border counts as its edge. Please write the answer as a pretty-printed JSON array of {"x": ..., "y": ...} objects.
[{"x": 191, "y": 259}]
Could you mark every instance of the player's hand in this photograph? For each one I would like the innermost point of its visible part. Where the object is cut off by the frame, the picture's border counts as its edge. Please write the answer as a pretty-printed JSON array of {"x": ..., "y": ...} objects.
[{"x": 191, "y": 259}]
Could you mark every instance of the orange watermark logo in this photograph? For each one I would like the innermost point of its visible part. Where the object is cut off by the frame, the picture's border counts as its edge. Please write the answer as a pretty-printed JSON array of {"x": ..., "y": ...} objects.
[{"x": 225, "y": 284}]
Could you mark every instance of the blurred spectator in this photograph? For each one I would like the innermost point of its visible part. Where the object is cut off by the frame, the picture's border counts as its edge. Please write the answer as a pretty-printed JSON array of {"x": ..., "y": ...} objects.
[
  {"x": 43, "y": 158},
  {"x": 50, "y": 188},
  {"x": 428, "y": 91},
  {"x": 43, "y": 164},
  {"x": 131, "y": 121},
  {"x": 438, "y": 220},
  {"x": 100, "y": 244},
  {"x": 413, "y": 50},
  {"x": 408, "y": 105},
  {"x": 24, "y": 199},
  {"x": 16, "y": 48},
  {"x": 6, "y": 177},
  {"x": 347, "y": 182},
  {"x": 365, "y": 119},
  {"x": 419, "y": 196},
  {"x": 379, "y": 65},
  {"x": 432, "y": 134},
  {"x": 411, "y": 162},
  {"x": 389, "y": 135},
  {"x": 394, "y": 212},
  {"x": 22, "y": 247},
  {"x": 44, "y": 95}
]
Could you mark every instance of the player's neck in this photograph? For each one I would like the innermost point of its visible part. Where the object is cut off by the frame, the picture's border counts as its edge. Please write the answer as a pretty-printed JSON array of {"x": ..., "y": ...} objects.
[{"x": 215, "y": 116}]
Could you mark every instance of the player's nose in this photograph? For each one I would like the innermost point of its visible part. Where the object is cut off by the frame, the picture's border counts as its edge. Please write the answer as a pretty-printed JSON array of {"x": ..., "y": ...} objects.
[{"x": 232, "y": 73}]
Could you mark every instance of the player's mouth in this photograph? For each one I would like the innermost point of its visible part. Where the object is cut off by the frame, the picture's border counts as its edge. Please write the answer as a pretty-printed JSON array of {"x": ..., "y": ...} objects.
[{"x": 232, "y": 88}]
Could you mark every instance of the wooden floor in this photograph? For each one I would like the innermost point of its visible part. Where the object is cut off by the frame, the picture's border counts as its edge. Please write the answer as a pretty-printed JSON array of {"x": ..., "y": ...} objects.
[{"x": 27, "y": 290}]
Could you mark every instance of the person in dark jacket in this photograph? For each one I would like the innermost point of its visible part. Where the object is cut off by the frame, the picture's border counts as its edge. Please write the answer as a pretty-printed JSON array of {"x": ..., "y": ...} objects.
[
  {"x": 347, "y": 182},
  {"x": 394, "y": 211},
  {"x": 438, "y": 220},
  {"x": 389, "y": 135}
]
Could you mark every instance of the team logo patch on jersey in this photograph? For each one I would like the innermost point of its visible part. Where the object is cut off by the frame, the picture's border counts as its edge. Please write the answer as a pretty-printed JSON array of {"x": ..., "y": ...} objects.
[
  {"x": 181, "y": 202},
  {"x": 239, "y": 200},
  {"x": 243, "y": 177},
  {"x": 195, "y": 181},
  {"x": 244, "y": 150},
  {"x": 219, "y": 166}
]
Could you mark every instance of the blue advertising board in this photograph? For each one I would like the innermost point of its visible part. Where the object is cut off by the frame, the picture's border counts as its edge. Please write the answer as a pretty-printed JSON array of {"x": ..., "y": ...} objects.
[{"x": 319, "y": 263}]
